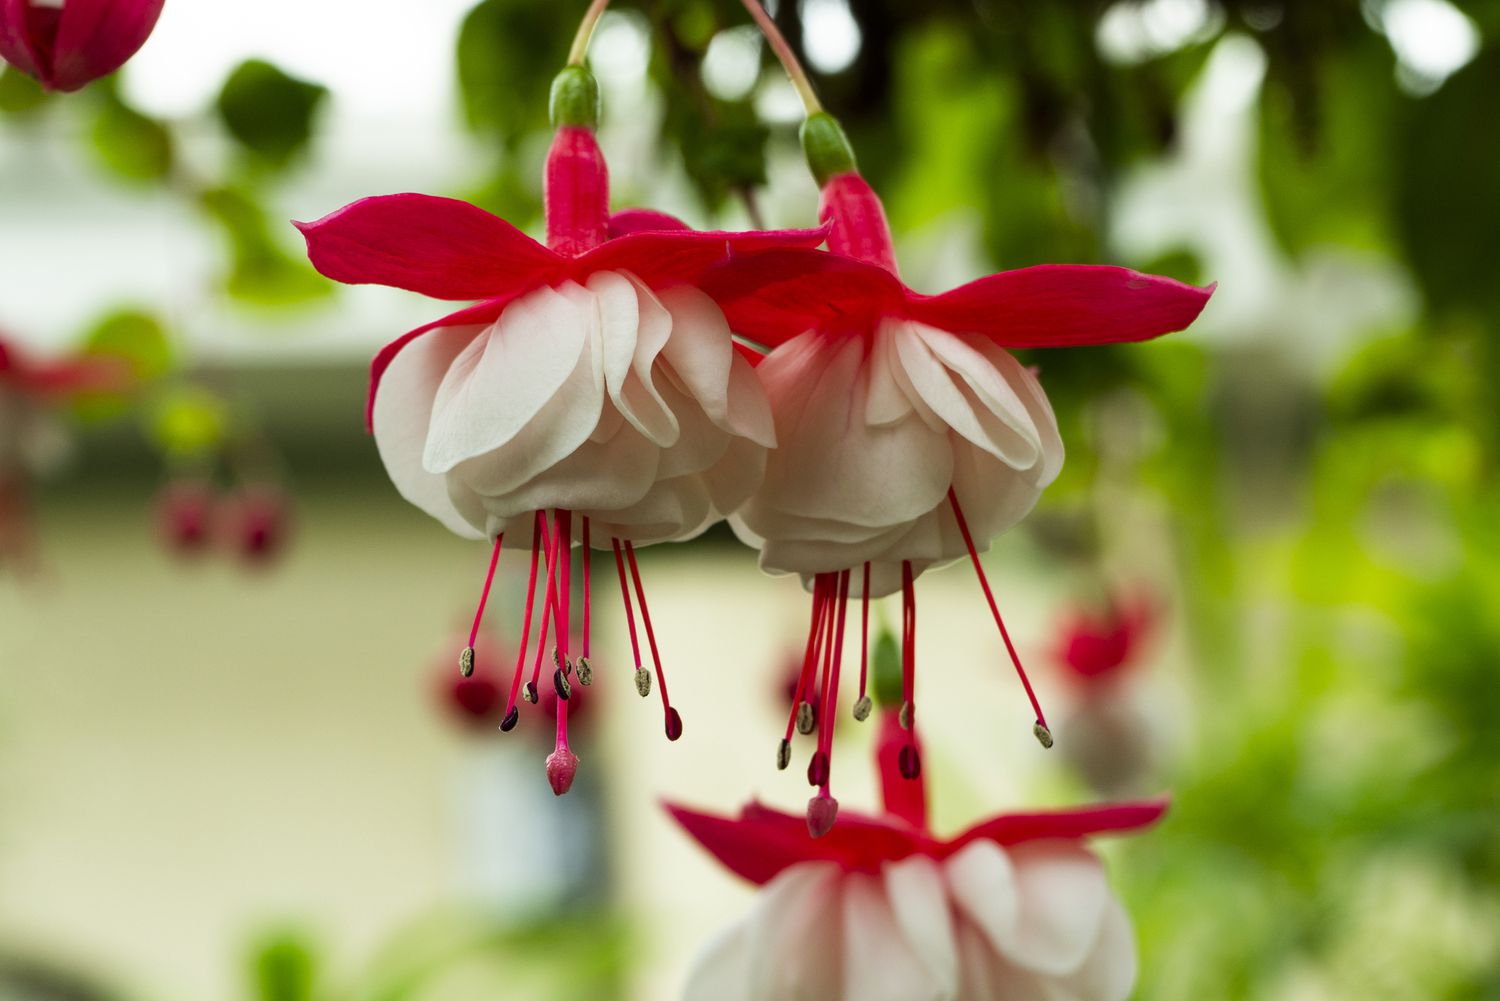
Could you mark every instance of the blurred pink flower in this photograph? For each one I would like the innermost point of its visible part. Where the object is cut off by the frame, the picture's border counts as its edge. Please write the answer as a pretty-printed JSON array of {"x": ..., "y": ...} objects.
[
  {"x": 1094, "y": 645},
  {"x": 67, "y": 43},
  {"x": 1015, "y": 907}
]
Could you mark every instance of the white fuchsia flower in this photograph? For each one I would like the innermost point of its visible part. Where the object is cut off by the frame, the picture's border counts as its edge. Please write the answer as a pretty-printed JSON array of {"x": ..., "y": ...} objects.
[
  {"x": 594, "y": 385},
  {"x": 907, "y": 434},
  {"x": 1016, "y": 908}
]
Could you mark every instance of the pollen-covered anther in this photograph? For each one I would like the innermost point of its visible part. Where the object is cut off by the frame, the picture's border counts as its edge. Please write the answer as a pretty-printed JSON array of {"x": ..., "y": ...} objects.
[
  {"x": 822, "y": 811},
  {"x": 783, "y": 755},
  {"x": 585, "y": 671},
  {"x": 560, "y": 682},
  {"x": 807, "y": 718},
  {"x": 817, "y": 769},
  {"x": 673, "y": 724},
  {"x": 511, "y": 719},
  {"x": 862, "y": 708},
  {"x": 466, "y": 662},
  {"x": 529, "y": 692},
  {"x": 909, "y": 761},
  {"x": 1043, "y": 735},
  {"x": 562, "y": 766},
  {"x": 906, "y": 714},
  {"x": 643, "y": 682}
]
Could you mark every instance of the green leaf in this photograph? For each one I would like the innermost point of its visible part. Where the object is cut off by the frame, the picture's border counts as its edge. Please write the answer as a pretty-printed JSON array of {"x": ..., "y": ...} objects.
[
  {"x": 260, "y": 270},
  {"x": 20, "y": 95},
  {"x": 508, "y": 53},
  {"x": 188, "y": 422},
  {"x": 269, "y": 112},
  {"x": 130, "y": 144},
  {"x": 723, "y": 144},
  {"x": 140, "y": 340},
  {"x": 284, "y": 968}
]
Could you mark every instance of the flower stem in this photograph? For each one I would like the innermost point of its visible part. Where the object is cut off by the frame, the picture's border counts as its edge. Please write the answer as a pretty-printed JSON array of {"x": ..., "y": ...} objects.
[
  {"x": 784, "y": 53},
  {"x": 585, "y": 32}
]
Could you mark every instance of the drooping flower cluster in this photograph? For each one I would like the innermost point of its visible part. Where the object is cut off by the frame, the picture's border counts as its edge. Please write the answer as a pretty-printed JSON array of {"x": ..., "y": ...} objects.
[{"x": 596, "y": 397}]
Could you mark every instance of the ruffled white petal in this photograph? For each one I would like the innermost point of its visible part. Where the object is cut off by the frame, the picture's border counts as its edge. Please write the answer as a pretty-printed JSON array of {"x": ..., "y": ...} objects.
[
  {"x": 628, "y": 408},
  {"x": 919, "y": 903},
  {"x": 878, "y": 961},
  {"x": 400, "y": 418},
  {"x": 1063, "y": 897}
]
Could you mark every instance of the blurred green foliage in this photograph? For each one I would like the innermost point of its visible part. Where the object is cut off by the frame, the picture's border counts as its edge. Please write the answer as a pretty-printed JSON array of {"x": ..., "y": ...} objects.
[{"x": 268, "y": 112}]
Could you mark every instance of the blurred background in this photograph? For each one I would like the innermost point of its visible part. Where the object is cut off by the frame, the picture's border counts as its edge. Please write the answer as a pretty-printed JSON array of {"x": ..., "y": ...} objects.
[{"x": 233, "y": 761}]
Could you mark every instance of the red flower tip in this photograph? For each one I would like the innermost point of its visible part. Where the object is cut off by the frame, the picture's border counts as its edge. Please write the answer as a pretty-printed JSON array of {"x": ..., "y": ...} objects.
[
  {"x": 1094, "y": 646},
  {"x": 66, "y": 47},
  {"x": 562, "y": 766}
]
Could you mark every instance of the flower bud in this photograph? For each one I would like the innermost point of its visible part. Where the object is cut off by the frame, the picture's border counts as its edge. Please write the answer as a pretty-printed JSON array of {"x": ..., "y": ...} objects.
[
  {"x": 66, "y": 45},
  {"x": 562, "y": 766}
]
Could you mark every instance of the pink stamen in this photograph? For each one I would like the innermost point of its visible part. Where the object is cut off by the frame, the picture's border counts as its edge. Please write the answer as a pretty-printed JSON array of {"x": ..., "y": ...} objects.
[
  {"x": 515, "y": 683},
  {"x": 484, "y": 596},
  {"x": 584, "y": 554},
  {"x": 673, "y": 719},
  {"x": 547, "y": 608},
  {"x": 1010, "y": 648},
  {"x": 810, "y": 653},
  {"x": 908, "y": 637},
  {"x": 864, "y": 632},
  {"x": 564, "y": 535},
  {"x": 831, "y": 680},
  {"x": 635, "y": 646}
]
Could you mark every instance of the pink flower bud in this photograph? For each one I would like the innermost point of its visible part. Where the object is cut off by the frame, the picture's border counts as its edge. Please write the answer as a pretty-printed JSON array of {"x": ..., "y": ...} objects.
[
  {"x": 67, "y": 43},
  {"x": 185, "y": 516},
  {"x": 562, "y": 765}
]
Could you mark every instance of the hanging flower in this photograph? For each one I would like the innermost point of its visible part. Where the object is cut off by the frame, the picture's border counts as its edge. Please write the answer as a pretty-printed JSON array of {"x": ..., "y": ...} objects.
[
  {"x": 1113, "y": 734},
  {"x": 67, "y": 43},
  {"x": 907, "y": 434},
  {"x": 1015, "y": 907},
  {"x": 594, "y": 387}
]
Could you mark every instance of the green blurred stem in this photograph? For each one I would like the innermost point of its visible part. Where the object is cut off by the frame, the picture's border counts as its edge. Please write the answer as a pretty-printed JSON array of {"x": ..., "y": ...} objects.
[
  {"x": 784, "y": 53},
  {"x": 585, "y": 32}
]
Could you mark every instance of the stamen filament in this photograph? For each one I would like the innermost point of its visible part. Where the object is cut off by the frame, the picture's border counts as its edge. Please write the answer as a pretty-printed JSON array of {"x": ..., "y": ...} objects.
[
  {"x": 547, "y": 608},
  {"x": 584, "y": 553},
  {"x": 1010, "y": 648},
  {"x": 515, "y": 683},
  {"x": 831, "y": 686},
  {"x": 635, "y": 646},
  {"x": 673, "y": 719},
  {"x": 564, "y": 538},
  {"x": 809, "y": 654},
  {"x": 466, "y": 659},
  {"x": 864, "y": 633}
]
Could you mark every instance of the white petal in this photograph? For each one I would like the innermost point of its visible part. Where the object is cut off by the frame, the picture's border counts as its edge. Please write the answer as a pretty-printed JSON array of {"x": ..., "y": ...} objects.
[
  {"x": 403, "y": 408},
  {"x": 1109, "y": 972},
  {"x": 795, "y": 936},
  {"x": 982, "y": 882},
  {"x": 919, "y": 903},
  {"x": 888, "y": 401},
  {"x": 513, "y": 375},
  {"x": 878, "y": 963},
  {"x": 634, "y": 328},
  {"x": 721, "y": 970},
  {"x": 978, "y": 404},
  {"x": 734, "y": 478},
  {"x": 608, "y": 476},
  {"x": 1024, "y": 381},
  {"x": 1063, "y": 898}
]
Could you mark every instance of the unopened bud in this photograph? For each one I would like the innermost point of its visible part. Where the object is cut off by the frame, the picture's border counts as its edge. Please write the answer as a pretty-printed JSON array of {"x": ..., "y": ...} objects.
[
  {"x": 511, "y": 718},
  {"x": 562, "y": 766},
  {"x": 862, "y": 708},
  {"x": 783, "y": 755},
  {"x": 822, "y": 811},
  {"x": 466, "y": 662},
  {"x": 1043, "y": 735},
  {"x": 642, "y": 682},
  {"x": 585, "y": 671}
]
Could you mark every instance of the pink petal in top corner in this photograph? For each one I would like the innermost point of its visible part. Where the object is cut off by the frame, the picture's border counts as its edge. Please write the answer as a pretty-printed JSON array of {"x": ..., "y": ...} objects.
[{"x": 96, "y": 37}]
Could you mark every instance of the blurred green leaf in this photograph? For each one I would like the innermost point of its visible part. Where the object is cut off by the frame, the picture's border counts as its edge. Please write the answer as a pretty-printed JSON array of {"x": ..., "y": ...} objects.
[
  {"x": 508, "y": 52},
  {"x": 260, "y": 271},
  {"x": 133, "y": 146},
  {"x": 20, "y": 95},
  {"x": 269, "y": 112},
  {"x": 284, "y": 969},
  {"x": 188, "y": 422},
  {"x": 723, "y": 144}
]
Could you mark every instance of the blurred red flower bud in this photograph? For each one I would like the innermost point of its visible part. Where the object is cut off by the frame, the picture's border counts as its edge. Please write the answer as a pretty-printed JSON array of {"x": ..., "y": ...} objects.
[
  {"x": 1095, "y": 645},
  {"x": 185, "y": 512},
  {"x": 67, "y": 43},
  {"x": 258, "y": 523}
]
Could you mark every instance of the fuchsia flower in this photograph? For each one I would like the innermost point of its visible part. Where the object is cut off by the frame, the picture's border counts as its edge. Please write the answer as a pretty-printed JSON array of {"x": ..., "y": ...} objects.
[
  {"x": 907, "y": 434},
  {"x": 1014, "y": 907},
  {"x": 1094, "y": 646},
  {"x": 67, "y": 43},
  {"x": 595, "y": 385}
]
